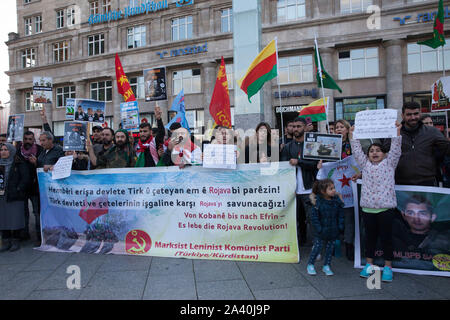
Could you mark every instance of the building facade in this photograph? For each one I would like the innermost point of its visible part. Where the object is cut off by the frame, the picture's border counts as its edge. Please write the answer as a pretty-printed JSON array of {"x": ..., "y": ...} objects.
[{"x": 368, "y": 46}]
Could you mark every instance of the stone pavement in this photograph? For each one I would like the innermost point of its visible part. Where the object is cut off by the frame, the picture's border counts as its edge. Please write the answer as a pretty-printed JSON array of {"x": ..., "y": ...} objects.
[{"x": 33, "y": 275}]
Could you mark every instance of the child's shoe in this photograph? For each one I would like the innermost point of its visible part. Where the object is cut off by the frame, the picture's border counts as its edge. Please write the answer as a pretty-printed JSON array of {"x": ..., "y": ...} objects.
[
  {"x": 327, "y": 270},
  {"x": 311, "y": 270},
  {"x": 387, "y": 275},
  {"x": 367, "y": 271}
]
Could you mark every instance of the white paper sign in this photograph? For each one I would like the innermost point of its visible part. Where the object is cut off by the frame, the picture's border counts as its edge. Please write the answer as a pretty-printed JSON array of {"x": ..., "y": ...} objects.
[
  {"x": 372, "y": 124},
  {"x": 63, "y": 168},
  {"x": 219, "y": 156}
]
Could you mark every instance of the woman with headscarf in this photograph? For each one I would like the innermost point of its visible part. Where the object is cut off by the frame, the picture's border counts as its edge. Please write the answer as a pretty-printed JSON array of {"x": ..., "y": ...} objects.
[{"x": 12, "y": 199}]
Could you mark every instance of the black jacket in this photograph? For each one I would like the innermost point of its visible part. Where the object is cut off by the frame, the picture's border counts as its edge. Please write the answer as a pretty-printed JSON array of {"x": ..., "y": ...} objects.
[
  {"x": 294, "y": 150},
  {"x": 33, "y": 186},
  {"x": 418, "y": 163},
  {"x": 50, "y": 157},
  {"x": 18, "y": 181}
]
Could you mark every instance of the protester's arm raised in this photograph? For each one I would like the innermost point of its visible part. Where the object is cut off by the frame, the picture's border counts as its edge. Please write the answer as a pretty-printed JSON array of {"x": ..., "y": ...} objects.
[
  {"x": 357, "y": 150},
  {"x": 396, "y": 148},
  {"x": 92, "y": 155}
]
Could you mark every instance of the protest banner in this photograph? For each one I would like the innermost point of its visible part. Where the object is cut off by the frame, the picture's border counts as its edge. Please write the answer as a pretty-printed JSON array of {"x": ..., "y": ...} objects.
[
  {"x": 15, "y": 128},
  {"x": 42, "y": 90},
  {"x": 75, "y": 136},
  {"x": 341, "y": 172},
  {"x": 155, "y": 84},
  {"x": 372, "y": 124},
  {"x": 320, "y": 146},
  {"x": 129, "y": 115},
  {"x": 440, "y": 92},
  {"x": 219, "y": 156},
  {"x": 193, "y": 213},
  {"x": 420, "y": 231},
  {"x": 85, "y": 110}
]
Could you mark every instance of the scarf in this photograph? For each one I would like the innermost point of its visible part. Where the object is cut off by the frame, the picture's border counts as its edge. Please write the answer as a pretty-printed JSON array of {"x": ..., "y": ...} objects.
[
  {"x": 27, "y": 153},
  {"x": 346, "y": 149},
  {"x": 149, "y": 144},
  {"x": 8, "y": 162}
]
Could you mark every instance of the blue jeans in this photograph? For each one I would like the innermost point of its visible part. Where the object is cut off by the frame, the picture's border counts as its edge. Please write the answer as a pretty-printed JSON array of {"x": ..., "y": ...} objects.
[{"x": 317, "y": 248}]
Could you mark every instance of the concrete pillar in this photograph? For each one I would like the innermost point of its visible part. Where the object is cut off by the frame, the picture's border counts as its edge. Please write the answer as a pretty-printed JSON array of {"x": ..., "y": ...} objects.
[
  {"x": 209, "y": 70},
  {"x": 14, "y": 98},
  {"x": 80, "y": 89},
  {"x": 394, "y": 73},
  {"x": 247, "y": 45},
  {"x": 117, "y": 99}
]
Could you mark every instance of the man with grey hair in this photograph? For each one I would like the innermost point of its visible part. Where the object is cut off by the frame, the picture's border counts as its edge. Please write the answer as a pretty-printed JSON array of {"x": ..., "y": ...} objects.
[{"x": 51, "y": 153}]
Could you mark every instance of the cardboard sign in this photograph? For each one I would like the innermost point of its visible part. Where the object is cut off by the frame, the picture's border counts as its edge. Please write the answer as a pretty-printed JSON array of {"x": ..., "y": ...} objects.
[
  {"x": 75, "y": 136},
  {"x": 372, "y": 124},
  {"x": 15, "y": 128},
  {"x": 440, "y": 93},
  {"x": 155, "y": 84},
  {"x": 42, "y": 90}
]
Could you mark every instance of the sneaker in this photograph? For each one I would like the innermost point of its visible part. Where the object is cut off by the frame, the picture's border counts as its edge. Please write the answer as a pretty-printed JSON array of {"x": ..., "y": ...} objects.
[
  {"x": 387, "y": 275},
  {"x": 367, "y": 271},
  {"x": 327, "y": 270},
  {"x": 311, "y": 270}
]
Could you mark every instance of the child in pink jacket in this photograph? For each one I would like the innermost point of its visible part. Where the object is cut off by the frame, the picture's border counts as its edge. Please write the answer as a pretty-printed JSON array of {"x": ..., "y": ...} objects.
[{"x": 378, "y": 199}]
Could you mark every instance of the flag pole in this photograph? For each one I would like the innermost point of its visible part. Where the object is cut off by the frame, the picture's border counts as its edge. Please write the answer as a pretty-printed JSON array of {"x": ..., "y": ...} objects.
[
  {"x": 279, "y": 92},
  {"x": 319, "y": 66}
]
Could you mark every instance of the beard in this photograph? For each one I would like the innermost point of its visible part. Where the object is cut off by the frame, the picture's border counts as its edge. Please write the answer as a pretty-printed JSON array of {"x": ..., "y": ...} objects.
[
  {"x": 299, "y": 135},
  {"x": 121, "y": 144}
]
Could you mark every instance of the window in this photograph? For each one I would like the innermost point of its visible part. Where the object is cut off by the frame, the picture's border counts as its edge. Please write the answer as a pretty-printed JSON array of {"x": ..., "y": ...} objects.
[
  {"x": 94, "y": 7},
  {"x": 38, "y": 24},
  {"x": 347, "y": 108},
  {"x": 106, "y": 6},
  {"x": 26, "y": 1},
  {"x": 426, "y": 59},
  {"x": 136, "y": 37},
  {"x": 230, "y": 75},
  {"x": 64, "y": 93},
  {"x": 71, "y": 17},
  {"x": 101, "y": 91},
  {"x": 60, "y": 19},
  {"x": 189, "y": 80},
  {"x": 352, "y": 6},
  {"x": 358, "y": 63},
  {"x": 28, "y": 26},
  {"x": 60, "y": 51},
  {"x": 138, "y": 87},
  {"x": 29, "y": 104},
  {"x": 28, "y": 58},
  {"x": 290, "y": 10},
  {"x": 136, "y": 3},
  {"x": 182, "y": 28},
  {"x": 96, "y": 44},
  {"x": 296, "y": 69},
  {"x": 227, "y": 20}
]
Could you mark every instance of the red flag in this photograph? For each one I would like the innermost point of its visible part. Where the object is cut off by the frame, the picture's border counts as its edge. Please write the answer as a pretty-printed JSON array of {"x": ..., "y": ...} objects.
[
  {"x": 220, "y": 101},
  {"x": 123, "y": 85},
  {"x": 89, "y": 214}
]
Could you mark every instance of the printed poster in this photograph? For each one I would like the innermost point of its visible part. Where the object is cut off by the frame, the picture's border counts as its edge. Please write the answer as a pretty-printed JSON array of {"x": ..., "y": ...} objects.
[
  {"x": 85, "y": 110},
  {"x": 129, "y": 113},
  {"x": 42, "y": 90},
  {"x": 320, "y": 146},
  {"x": 440, "y": 93},
  {"x": 421, "y": 231},
  {"x": 2, "y": 180},
  {"x": 155, "y": 84},
  {"x": 75, "y": 136},
  {"x": 15, "y": 128},
  {"x": 194, "y": 213}
]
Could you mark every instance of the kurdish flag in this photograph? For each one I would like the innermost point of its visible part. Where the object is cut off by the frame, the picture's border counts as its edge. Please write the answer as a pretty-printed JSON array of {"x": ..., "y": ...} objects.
[
  {"x": 438, "y": 30},
  {"x": 317, "y": 110},
  {"x": 262, "y": 69}
]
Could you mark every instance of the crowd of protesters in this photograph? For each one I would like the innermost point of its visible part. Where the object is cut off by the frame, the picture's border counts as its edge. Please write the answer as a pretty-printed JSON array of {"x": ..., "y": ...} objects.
[{"x": 420, "y": 149}]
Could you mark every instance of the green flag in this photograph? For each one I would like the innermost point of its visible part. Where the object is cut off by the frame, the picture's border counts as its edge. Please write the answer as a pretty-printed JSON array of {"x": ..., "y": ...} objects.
[
  {"x": 438, "y": 30},
  {"x": 328, "y": 82}
]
